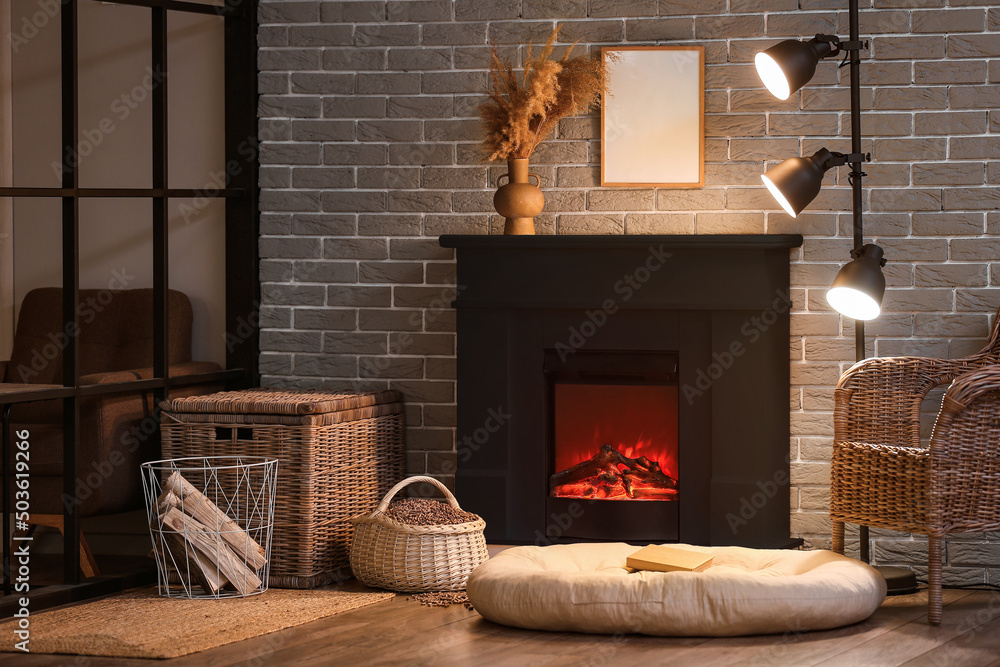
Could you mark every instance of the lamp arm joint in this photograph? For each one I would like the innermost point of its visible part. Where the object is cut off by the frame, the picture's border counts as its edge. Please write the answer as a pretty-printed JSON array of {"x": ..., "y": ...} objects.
[
  {"x": 834, "y": 42},
  {"x": 840, "y": 159},
  {"x": 857, "y": 252},
  {"x": 836, "y": 159},
  {"x": 839, "y": 44}
]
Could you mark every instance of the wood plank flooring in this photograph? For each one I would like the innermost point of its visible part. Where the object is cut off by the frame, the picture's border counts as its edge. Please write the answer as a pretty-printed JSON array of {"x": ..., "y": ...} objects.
[{"x": 401, "y": 632}]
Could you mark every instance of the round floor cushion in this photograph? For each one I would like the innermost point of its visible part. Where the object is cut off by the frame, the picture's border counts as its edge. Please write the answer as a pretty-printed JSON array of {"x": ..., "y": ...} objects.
[{"x": 587, "y": 588}]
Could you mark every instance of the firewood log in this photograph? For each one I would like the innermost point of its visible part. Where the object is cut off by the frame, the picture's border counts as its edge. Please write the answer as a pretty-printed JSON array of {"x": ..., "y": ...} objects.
[
  {"x": 601, "y": 463},
  {"x": 218, "y": 552},
  {"x": 195, "y": 503},
  {"x": 609, "y": 473},
  {"x": 182, "y": 557}
]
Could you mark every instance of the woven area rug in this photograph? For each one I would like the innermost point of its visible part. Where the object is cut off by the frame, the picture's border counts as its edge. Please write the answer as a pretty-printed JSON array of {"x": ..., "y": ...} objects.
[{"x": 141, "y": 624}]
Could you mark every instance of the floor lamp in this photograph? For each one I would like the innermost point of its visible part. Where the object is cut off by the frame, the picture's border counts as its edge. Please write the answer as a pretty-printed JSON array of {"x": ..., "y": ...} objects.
[{"x": 859, "y": 286}]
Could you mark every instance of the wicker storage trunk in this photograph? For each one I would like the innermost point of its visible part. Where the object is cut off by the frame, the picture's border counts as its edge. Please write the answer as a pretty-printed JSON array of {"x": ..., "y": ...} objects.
[{"x": 338, "y": 454}]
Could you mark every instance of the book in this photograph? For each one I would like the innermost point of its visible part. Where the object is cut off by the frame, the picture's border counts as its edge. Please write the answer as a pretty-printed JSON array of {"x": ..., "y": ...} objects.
[{"x": 668, "y": 559}]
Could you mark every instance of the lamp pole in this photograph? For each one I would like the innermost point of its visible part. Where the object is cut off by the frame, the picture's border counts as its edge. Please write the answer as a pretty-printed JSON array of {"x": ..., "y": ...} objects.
[
  {"x": 856, "y": 176},
  {"x": 857, "y": 173},
  {"x": 899, "y": 580}
]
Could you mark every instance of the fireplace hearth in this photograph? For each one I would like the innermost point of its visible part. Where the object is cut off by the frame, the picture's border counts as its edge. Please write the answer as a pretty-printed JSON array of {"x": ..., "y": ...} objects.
[{"x": 646, "y": 382}]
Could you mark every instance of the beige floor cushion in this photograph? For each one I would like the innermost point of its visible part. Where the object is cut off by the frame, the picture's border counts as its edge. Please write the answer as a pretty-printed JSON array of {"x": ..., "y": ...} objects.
[{"x": 586, "y": 588}]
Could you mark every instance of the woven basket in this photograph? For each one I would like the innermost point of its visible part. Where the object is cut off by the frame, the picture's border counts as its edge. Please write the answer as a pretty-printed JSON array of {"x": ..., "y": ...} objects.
[
  {"x": 400, "y": 557},
  {"x": 338, "y": 454}
]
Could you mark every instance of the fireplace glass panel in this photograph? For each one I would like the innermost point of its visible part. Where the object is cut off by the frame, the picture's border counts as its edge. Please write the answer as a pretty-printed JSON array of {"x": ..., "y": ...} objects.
[{"x": 615, "y": 442}]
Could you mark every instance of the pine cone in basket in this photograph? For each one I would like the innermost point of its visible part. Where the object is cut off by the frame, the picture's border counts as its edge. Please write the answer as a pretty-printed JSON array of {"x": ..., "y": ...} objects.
[{"x": 423, "y": 512}]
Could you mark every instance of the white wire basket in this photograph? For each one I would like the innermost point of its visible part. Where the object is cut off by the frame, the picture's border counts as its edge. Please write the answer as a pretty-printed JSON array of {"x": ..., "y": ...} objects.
[{"x": 211, "y": 520}]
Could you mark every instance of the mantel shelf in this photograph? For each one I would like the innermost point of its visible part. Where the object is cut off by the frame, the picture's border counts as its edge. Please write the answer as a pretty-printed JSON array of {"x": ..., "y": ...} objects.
[
  {"x": 694, "y": 241},
  {"x": 703, "y": 272}
]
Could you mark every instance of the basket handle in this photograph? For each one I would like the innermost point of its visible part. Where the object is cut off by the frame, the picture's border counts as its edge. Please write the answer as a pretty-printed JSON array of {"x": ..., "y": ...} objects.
[{"x": 382, "y": 506}]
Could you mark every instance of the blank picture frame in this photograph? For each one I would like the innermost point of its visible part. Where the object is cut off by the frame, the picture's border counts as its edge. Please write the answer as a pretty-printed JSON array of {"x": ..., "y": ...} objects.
[{"x": 653, "y": 117}]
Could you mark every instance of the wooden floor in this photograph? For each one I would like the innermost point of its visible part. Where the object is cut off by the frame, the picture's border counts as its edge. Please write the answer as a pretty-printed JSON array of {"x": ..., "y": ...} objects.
[{"x": 401, "y": 632}]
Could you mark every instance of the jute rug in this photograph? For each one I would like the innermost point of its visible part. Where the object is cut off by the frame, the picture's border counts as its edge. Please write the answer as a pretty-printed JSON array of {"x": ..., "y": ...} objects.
[{"x": 141, "y": 624}]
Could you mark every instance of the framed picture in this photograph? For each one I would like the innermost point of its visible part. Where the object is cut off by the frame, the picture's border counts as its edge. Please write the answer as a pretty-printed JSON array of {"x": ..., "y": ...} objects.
[{"x": 653, "y": 117}]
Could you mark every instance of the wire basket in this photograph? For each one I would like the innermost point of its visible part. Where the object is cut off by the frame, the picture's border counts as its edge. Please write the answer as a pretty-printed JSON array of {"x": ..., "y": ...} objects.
[{"x": 211, "y": 520}]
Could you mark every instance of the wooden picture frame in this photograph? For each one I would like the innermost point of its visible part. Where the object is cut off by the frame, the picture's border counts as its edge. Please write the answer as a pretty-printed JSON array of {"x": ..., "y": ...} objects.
[{"x": 653, "y": 117}]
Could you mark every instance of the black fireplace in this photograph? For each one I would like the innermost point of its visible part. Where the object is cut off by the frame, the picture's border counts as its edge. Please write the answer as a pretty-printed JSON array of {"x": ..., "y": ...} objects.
[{"x": 624, "y": 388}]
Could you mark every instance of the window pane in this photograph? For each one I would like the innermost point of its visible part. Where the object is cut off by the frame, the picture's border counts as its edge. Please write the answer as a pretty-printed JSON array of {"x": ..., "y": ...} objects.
[
  {"x": 198, "y": 268},
  {"x": 116, "y": 100},
  {"x": 197, "y": 104},
  {"x": 36, "y": 110},
  {"x": 37, "y": 248},
  {"x": 116, "y": 254}
]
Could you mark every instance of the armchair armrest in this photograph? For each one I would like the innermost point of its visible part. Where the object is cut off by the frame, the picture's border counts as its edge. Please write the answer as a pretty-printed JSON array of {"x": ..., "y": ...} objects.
[
  {"x": 109, "y": 377},
  {"x": 990, "y": 354},
  {"x": 878, "y": 400},
  {"x": 964, "y": 474},
  {"x": 193, "y": 368},
  {"x": 969, "y": 388},
  {"x": 914, "y": 375},
  {"x": 181, "y": 369}
]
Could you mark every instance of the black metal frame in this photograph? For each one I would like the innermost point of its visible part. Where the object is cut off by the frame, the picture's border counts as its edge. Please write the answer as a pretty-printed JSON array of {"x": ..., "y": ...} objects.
[
  {"x": 242, "y": 224},
  {"x": 853, "y": 48}
]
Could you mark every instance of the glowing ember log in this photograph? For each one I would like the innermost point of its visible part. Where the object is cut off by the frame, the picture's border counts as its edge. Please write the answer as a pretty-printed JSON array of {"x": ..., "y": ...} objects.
[{"x": 611, "y": 475}]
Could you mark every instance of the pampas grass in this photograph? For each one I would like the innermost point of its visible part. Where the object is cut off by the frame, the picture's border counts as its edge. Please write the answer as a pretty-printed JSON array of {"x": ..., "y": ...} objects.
[{"x": 521, "y": 112}]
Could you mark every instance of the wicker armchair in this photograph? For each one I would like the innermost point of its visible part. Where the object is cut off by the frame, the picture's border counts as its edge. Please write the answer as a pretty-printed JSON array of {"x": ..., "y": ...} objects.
[{"x": 881, "y": 474}]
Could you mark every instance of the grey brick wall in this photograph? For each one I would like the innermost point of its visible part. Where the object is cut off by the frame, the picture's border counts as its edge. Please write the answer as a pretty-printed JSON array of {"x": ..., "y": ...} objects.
[{"x": 368, "y": 115}]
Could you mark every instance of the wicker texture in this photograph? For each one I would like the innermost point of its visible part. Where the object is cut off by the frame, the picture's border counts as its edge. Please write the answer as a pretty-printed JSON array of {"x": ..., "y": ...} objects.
[
  {"x": 280, "y": 402},
  {"x": 882, "y": 476},
  {"x": 321, "y": 419},
  {"x": 400, "y": 557},
  {"x": 326, "y": 474}
]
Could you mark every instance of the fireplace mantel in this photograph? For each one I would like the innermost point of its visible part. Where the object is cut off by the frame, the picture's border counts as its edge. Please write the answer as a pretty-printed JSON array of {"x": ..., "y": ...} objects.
[
  {"x": 701, "y": 297},
  {"x": 743, "y": 241},
  {"x": 710, "y": 272}
]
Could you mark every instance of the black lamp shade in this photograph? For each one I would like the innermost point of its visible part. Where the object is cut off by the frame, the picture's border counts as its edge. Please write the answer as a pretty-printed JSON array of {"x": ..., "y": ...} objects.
[
  {"x": 859, "y": 287},
  {"x": 789, "y": 65},
  {"x": 796, "y": 181}
]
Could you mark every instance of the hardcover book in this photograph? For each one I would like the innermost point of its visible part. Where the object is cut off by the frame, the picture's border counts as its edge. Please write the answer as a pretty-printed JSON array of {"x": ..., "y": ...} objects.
[{"x": 668, "y": 559}]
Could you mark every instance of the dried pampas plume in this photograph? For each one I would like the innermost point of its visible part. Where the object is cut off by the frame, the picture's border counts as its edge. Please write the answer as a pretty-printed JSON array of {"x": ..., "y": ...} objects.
[{"x": 521, "y": 112}]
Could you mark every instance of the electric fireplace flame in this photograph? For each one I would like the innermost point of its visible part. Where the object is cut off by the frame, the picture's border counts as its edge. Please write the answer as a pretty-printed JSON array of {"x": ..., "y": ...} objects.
[
  {"x": 610, "y": 475},
  {"x": 615, "y": 442}
]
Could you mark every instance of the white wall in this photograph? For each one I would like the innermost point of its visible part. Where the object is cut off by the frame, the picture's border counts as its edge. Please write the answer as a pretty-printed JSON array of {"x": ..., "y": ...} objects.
[{"x": 115, "y": 150}]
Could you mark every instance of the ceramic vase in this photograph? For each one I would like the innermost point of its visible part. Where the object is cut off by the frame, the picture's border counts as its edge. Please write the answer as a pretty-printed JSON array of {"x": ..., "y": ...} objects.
[{"x": 518, "y": 201}]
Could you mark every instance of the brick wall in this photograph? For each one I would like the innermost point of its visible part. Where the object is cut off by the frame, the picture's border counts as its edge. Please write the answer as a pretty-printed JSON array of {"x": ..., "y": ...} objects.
[{"x": 370, "y": 152}]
